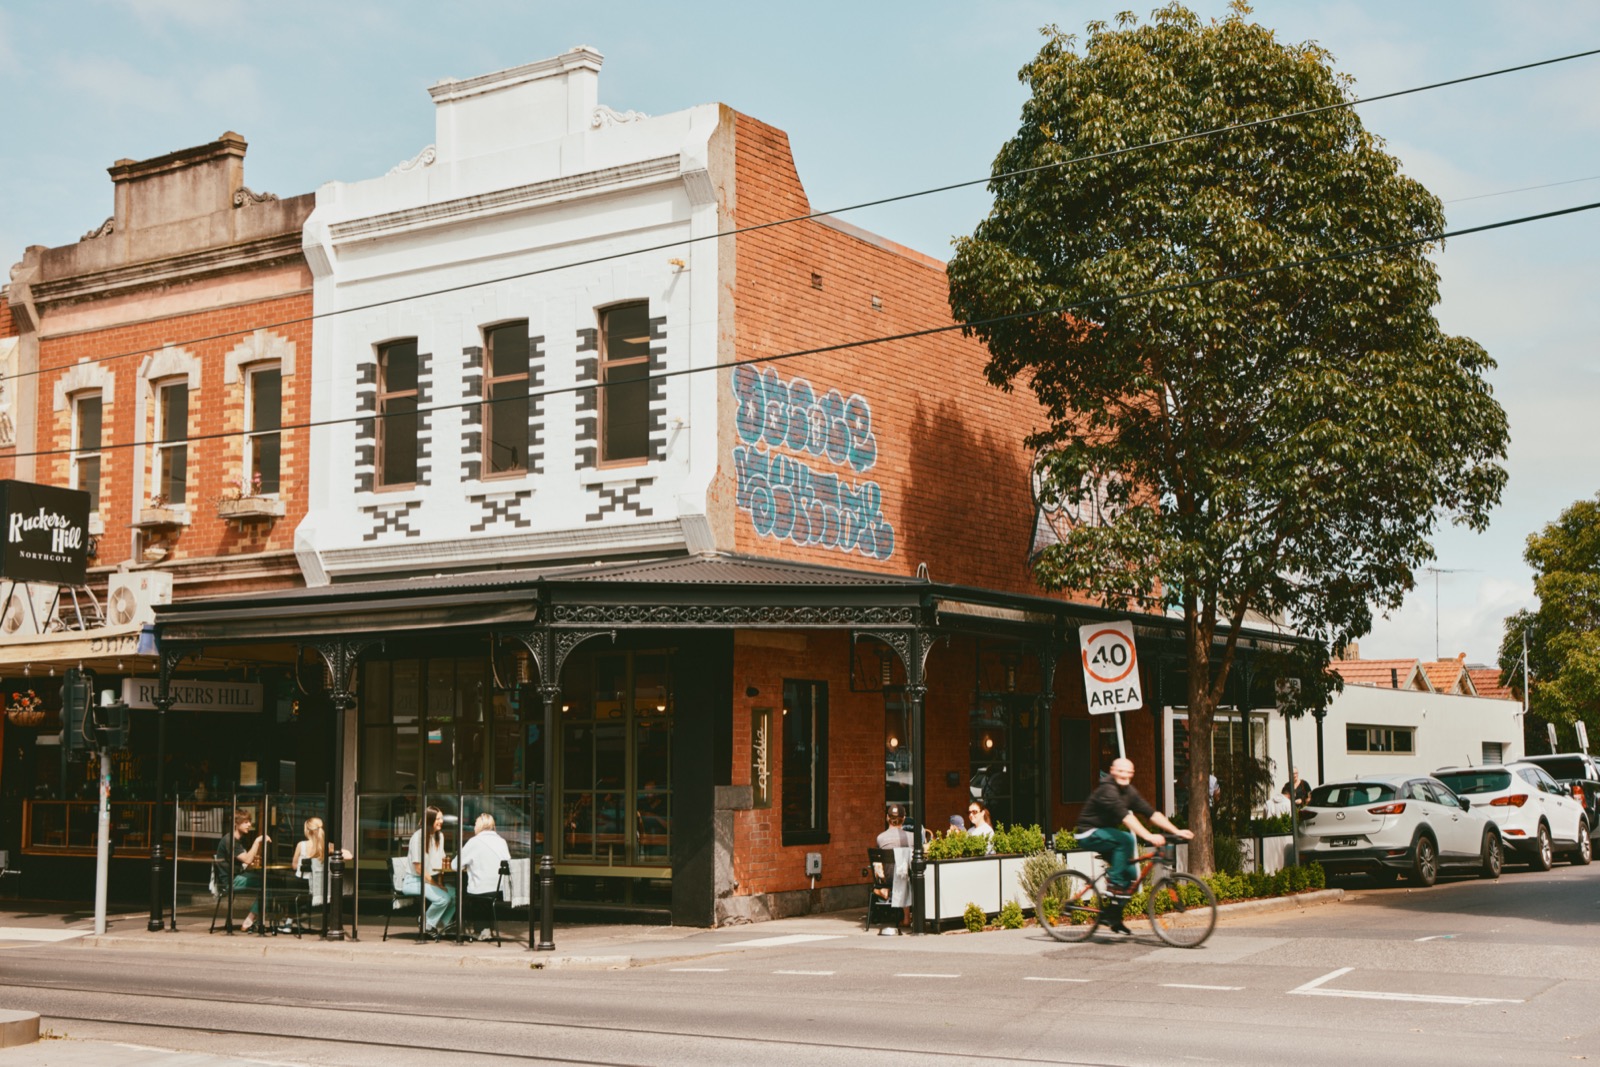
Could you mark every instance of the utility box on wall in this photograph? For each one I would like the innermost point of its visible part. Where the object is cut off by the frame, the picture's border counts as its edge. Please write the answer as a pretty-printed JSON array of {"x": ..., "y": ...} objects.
[{"x": 813, "y": 865}]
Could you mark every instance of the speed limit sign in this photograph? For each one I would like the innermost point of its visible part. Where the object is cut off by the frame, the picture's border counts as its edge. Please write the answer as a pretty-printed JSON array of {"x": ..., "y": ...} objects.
[{"x": 1110, "y": 667}]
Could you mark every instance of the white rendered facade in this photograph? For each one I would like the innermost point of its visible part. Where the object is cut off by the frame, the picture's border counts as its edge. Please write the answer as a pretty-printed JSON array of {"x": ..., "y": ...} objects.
[
  {"x": 529, "y": 175},
  {"x": 1445, "y": 730}
]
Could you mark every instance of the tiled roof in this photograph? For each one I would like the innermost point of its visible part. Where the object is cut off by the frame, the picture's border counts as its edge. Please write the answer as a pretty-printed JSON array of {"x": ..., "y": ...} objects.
[
  {"x": 1449, "y": 675},
  {"x": 1487, "y": 681},
  {"x": 1382, "y": 673}
]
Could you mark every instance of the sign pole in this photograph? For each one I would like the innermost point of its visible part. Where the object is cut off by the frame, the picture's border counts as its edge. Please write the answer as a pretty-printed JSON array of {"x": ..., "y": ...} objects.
[
  {"x": 1122, "y": 748},
  {"x": 102, "y": 858}
]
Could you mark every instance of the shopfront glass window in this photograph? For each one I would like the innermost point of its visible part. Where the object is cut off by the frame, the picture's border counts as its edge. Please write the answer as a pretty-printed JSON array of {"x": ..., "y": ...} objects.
[{"x": 804, "y": 766}]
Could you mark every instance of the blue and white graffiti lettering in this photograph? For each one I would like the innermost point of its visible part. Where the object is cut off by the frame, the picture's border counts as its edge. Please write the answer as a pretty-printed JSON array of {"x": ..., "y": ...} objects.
[
  {"x": 789, "y": 500},
  {"x": 791, "y": 415}
]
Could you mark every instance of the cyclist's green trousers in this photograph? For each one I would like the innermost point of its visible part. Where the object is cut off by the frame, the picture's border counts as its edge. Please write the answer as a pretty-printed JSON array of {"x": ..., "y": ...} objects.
[{"x": 1117, "y": 848}]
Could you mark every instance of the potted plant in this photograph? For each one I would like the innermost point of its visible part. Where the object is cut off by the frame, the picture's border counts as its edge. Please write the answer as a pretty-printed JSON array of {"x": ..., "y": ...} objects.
[
  {"x": 245, "y": 502},
  {"x": 962, "y": 871},
  {"x": 26, "y": 708},
  {"x": 157, "y": 513}
]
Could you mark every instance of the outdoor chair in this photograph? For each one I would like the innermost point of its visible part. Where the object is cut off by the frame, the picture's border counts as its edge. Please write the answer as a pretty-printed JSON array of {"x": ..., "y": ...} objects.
[
  {"x": 399, "y": 868},
  {"x": 880, "y": 864},
  {"x": 8, "y": 871},
  {"x": 501, "y": 891}
]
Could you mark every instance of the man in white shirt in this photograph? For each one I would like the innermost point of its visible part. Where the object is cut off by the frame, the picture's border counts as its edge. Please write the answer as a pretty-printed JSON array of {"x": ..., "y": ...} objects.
[{"x": 480, "y": 859}]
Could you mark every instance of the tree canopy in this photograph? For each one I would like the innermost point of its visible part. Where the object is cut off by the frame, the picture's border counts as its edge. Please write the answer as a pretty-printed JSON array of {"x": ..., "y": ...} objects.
[
  {"x": 1232, "y": 337},
  {"x": 1564, "y": 633}
]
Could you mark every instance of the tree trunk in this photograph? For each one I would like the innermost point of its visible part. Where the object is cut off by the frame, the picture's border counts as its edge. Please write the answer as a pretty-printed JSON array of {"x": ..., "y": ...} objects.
[{"x": 1202, "y": 710}]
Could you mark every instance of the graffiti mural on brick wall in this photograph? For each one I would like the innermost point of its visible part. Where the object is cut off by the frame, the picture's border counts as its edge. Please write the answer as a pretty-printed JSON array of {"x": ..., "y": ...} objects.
[{"x": 791, "y": 494}]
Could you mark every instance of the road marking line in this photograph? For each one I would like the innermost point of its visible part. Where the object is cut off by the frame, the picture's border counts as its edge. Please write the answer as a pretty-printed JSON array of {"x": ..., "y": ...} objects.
[
  {"x": 699, "y": 970},
  {"x": 821, "y": 973},
  {"x": 1437, "y": 937},
  {"x": 785, "y": 939},
  {"x": 1033, "y": 978},
  {"x": 1186, "y": 985},
  {"x": 1311, "y": 989},
  {"x": 920, "y": 974},
  {"x": 31, "y": 933}
]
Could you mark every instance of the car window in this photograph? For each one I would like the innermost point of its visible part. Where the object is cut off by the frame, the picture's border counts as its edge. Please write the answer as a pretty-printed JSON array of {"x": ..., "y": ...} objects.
[
  {"x": 1531, "y": 776},
  {"x": 1418, "y": 791},
  {"x": 1475, "y": 781},
  {"x": 1561, "y": 766},
  {"x": 1350, "y": 794},
  {"x": 1547, "y": 783},
  {"x": 1446, "y": 797}
]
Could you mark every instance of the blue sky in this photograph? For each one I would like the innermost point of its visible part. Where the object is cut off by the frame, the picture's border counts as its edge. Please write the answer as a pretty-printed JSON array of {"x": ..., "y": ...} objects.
[{"x": 879, "y": 99}]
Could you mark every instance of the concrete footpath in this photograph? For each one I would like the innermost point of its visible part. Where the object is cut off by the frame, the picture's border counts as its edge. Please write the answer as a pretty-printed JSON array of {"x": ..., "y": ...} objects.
[{"x": 598, "y": 947}]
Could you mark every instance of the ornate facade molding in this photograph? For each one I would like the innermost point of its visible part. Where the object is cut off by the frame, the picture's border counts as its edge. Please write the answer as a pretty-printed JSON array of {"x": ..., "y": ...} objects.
[
  {"x": 101, "y": 230},
  {"x": 604, "y": 116},
  {"x": 424, "y": 158},
  {"x": 262, "y": 346},
  {"x": 245, "y": 195},
  {"x": 731, "y": 615}
]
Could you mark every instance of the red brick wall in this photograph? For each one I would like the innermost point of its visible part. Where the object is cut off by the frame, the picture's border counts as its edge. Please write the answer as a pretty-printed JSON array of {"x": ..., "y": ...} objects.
[
  {"x": 214, "y": 408},
  {"x": 950, "y": 461},
  {"x": 8, "y": 328}
]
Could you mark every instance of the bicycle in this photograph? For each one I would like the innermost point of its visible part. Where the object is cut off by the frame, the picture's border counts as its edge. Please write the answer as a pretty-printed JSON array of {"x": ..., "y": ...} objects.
[{"x": 1181, "y": 908}]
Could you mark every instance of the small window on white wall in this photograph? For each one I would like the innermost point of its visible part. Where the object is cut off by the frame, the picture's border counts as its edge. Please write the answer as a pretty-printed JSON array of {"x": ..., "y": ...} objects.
[
  {"x": 264, "y": 438},
  {"x": 172, "y": 433},
  {"x": 86, "y": 439}
]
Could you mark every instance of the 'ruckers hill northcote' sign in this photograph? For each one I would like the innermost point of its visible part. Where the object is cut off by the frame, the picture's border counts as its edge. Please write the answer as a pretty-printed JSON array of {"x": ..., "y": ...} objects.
[{"x": 44, "y": 533}]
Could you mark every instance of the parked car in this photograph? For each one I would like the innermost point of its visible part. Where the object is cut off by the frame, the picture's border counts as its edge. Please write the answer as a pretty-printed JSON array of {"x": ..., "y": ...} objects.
[
  {"x": 1579, "y": 770},
  {"x": 1538, "y": 818},
  {"x": 1385, "y": 825}
]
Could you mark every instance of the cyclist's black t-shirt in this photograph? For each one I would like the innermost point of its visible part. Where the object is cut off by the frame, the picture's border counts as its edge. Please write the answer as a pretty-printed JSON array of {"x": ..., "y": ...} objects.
[{"x": 1109, "y": 804}]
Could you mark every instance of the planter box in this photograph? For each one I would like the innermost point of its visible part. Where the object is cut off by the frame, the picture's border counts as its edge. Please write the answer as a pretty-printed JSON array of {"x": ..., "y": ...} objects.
[
  {"x": 160, "y": 518},
  {"x": 987, "y": 881},
  {"x": 251, "y": 509}
]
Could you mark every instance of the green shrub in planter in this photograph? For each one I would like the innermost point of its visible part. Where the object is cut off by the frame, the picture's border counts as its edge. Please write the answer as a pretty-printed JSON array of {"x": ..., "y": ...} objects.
[
  {"x": 957, "y": 844},
  {"x": 1019, "y": 840},
  {"x": 1065, "y": 841},
  {"x": 1316, "y": 877},
  {"x": 1272, "y": 824},
  {"x": 1011, "y": 916},
  {"x": 1225, "y": 854},
  {"x": 973, "y": 917},
  {"x": 1035, "y": 869}
]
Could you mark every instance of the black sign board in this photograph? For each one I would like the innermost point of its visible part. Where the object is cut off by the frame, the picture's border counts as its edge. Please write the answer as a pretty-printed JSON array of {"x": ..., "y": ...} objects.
[{"x": 44, "y": 533}]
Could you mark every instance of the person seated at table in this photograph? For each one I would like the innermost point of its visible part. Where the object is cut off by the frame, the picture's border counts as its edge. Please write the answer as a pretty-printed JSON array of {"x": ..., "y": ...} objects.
[
  {"x": 480, "y": 859},
  {"x": 982, "y": 823},
  {"x": 424, "y": 880},
  {"x": 316, "y": 847},
  {"x": 238, "y": 860}
]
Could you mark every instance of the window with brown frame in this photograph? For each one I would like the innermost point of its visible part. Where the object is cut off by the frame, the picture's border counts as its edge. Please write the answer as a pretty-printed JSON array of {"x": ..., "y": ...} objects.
[
  {"x": 86, "y": 441},
  {"x": 505, "y": 399},
  {"x": 625, "y": 383},
  {"x": 397, "y": 413},
  {"x": 172, "y": 440},
  {"x": 264, "y": 439}
]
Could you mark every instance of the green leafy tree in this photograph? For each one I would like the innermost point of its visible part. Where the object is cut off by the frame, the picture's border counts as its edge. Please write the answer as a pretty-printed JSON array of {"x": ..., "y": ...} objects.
[
  {"x": 1564, "y": 633},
  {"x": 1281, "y": 439}
]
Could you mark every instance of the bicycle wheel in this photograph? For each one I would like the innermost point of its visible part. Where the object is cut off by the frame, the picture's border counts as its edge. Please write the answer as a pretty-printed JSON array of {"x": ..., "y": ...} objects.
[
  {"x": 1068, "y": 906},
  {"x": 1182, "y": 910}
]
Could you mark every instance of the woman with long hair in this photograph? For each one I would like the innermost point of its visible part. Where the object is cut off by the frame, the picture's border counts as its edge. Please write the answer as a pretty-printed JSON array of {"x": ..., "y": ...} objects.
[{"x": 427, "y": 860}]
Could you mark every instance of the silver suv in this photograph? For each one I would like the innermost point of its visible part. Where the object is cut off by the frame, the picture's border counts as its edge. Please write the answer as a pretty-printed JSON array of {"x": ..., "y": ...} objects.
[{"x": 1385, "y": 825}]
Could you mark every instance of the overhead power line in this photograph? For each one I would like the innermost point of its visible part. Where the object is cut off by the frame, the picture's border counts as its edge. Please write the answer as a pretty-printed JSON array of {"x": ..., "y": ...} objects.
[
  {"x": 813, "y": 216},
  {"x": 841, "y": 346}
]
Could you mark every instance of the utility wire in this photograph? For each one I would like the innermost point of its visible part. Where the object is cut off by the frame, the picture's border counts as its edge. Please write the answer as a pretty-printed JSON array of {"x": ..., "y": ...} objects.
[
  {"x": 841, "y": 346},
  {"x": 1524, "y": 189},
  {"x": 813, "y": 216}
]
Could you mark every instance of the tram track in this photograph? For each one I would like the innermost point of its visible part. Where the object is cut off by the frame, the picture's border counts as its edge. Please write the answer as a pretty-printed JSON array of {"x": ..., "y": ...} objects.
[{"x": 319, "y": 1033}]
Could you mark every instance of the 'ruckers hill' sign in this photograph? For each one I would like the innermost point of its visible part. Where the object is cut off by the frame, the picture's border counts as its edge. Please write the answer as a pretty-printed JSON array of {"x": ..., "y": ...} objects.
[{"x": 44, "y": 533}]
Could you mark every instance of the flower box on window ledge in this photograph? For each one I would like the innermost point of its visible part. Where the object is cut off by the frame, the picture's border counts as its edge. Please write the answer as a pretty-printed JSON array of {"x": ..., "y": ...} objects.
[
  {"x": 250, "y": 508},
  {"x": 161, "y": 516}
]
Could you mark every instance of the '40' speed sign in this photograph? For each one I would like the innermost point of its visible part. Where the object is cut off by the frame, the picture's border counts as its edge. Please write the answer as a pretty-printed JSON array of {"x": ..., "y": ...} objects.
[{"x": 1110, "y": 667}]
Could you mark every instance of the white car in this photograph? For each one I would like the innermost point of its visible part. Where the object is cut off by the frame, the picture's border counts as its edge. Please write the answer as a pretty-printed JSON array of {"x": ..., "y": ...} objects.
[
  {"x": 1384, "y": 825},
  {"x": 1537, "y": 816}
]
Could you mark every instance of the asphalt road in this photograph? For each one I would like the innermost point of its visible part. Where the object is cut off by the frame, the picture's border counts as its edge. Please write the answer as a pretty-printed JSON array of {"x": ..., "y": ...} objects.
[{"x": 1468, "y": 972}]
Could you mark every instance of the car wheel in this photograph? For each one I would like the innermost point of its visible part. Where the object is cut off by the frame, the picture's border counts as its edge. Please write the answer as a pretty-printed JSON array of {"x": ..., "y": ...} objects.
[
  {"x": 1545, "y": 856},
  {"x": 1585, "y": 850},
  {"x": 1425, "y": 862},
  {"x": 1493, "y": 856}
]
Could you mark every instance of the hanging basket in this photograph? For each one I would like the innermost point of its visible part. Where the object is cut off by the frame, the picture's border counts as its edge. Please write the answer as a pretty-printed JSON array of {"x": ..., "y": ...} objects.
[{"x": 32, "y": 717}]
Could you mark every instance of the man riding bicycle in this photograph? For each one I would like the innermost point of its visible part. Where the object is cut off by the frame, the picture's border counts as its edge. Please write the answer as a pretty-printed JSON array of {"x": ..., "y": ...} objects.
[{"x": 1109, "y": 824}]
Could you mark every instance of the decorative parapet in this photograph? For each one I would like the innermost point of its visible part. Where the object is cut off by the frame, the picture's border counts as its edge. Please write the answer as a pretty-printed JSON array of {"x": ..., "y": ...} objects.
[
  {"x": 101, "y": 230},
  {"x": 604, "y": 116},
  {"x": 424, "y": 158},
  {"x": 245, "y": 195}
]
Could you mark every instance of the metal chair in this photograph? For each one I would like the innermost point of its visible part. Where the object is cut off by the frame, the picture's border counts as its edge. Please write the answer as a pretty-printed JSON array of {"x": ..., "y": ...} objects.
[
  {"x": 399, "y": 868},
  {"x": 880, "y": 865},
  {"x": 8, "y": 871},
  {"x": 502, "y": 890}
]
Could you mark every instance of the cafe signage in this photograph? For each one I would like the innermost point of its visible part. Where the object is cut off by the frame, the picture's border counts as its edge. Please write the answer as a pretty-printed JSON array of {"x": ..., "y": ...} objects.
[
  {"x": 44, "y": 533},
  {"x": 193, "y": 694},
  {"x": 761, "y": 757}
]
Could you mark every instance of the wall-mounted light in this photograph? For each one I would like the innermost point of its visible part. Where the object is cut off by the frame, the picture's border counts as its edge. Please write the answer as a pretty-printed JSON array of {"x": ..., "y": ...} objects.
[
  {"x": 751, "y": 691},
  {"x": 885, "y": 669},
  {"x": 1010, "y": 660},
  {"x": 894, "y": 743},
  {"x": 521, "y": 667},
  {"x": 988, "y": 742}
]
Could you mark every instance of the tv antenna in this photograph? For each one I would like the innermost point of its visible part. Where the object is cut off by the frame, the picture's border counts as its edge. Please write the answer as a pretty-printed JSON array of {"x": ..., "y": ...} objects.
[{"x": 1436, "y": 571}]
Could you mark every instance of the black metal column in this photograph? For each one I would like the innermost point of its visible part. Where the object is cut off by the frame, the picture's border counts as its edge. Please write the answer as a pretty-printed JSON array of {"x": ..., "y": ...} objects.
[
  {"x": 1319, "y": 714},
  {"x": 342, "y": 658},
  {"x": 1049, "y": 656},
  {"x": 551, "y": 693},
  {"x": 163, "y": 702}
]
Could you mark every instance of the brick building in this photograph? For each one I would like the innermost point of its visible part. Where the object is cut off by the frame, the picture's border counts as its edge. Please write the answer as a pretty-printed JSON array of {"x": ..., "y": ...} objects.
[{"x": 160, "y": 364}]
